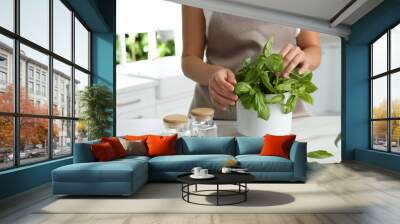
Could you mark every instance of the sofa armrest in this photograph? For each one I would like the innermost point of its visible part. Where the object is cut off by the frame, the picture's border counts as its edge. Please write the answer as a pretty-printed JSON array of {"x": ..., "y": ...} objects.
[
  {"x": 298, "y": 155},
  {"x": 83, "y": 152}
]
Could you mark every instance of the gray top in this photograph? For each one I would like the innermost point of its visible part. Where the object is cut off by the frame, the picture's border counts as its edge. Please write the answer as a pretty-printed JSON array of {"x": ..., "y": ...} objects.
[{"x": 230, "y": 39}]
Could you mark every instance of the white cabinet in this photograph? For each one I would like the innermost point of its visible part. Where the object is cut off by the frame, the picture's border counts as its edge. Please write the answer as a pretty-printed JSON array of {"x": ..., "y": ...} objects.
[
  {"x": 151, "y": 89},
  {"x": 179, "y": 104}
]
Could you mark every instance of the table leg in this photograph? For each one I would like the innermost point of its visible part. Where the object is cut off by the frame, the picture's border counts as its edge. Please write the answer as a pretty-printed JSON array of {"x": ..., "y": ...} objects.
[
  {"x": 217, "y": 194},
  {"x": 245, "y": 193},
  {"x": 195, "y": 188}
]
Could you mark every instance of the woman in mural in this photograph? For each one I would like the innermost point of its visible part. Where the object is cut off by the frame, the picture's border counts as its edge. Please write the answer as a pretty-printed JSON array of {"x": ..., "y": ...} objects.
[{"x": 226, "y": 40}]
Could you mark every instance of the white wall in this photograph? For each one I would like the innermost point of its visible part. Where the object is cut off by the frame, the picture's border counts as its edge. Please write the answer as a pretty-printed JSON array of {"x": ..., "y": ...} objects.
[{"x": 327, "y": 99}]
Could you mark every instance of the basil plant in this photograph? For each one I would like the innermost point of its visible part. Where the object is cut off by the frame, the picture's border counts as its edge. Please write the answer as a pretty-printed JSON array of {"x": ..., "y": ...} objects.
[{"x": 260, "y": 77}]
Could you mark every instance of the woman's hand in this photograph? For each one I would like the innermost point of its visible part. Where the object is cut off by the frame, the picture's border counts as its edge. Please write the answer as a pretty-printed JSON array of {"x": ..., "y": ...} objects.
[
  {"x": 294, "y": 56},
  {"x": 221, "y": 86}
]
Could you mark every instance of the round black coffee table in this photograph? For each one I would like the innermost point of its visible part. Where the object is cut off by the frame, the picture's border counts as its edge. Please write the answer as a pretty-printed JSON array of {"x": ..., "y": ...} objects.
[{"x": 238, "y": 179}]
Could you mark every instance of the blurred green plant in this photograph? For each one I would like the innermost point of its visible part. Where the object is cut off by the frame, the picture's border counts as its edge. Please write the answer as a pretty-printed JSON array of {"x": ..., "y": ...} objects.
[
  {"x": 97, "y": 104},
  {"x": 319, "y": 154},
  {"x": 137, "y": 47},
  {"x": 117, "y": 50},
  {"x": 338, "y": 139},
  {"x": 166, "y": 48}
]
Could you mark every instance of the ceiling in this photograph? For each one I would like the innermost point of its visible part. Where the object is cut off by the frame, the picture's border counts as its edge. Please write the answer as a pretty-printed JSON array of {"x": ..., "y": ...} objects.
[{"x": 327, "y": 16}]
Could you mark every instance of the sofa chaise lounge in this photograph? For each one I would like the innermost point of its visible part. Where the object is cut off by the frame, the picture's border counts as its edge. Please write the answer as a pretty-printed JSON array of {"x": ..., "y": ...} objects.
[{"x": 125, "y": 176}]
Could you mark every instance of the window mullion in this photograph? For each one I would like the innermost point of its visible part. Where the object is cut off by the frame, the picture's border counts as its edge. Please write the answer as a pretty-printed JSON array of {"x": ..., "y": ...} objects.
[
  {"x": 389, "y": 104},
  {"x": 73, "y": 82},
  {"x": 50, "y": 81},
  {"x": 16, "y": 84}
]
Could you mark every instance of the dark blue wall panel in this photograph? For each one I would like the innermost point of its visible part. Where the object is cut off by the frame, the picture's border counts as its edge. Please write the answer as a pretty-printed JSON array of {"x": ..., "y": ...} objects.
[
  {"x": 24, "y": 178},
  {"x": 355, "y": 88}
]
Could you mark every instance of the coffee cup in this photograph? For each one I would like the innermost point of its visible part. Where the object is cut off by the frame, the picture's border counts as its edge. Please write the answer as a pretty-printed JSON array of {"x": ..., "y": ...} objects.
[
  {"x": 226, "y": 170},
  {"x": 196, "y": 171},
  {"x": 203, "y": 172}
]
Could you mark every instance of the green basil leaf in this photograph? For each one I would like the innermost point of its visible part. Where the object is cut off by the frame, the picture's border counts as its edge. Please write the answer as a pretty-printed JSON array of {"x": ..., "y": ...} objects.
[
  {"x": 247, "y": 101},
  {"x": 274, "y": 63},
  {"x": 310, "y": 87},
  {"x": 307, "y": 76},
  {"x": 266, "y": 82},
  {"x": 306, "y": 98},
  {"x": 260, "y": 106},
  {"x": 251, "y": 76},
  {"x": 268, "y": 47},
  {"x": 285, "y": 86},
  {"x": 276, "y": 99},
  {"x": 246, "y": 62},
  {"x": 290, "y": 104},
  {"x": 242, "y": 88}
]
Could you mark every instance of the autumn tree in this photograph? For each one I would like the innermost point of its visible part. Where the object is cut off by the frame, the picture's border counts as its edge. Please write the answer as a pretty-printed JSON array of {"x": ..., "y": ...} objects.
[
  {"x": 33, "y": 131},
  {"x": 380, "y": 127}
]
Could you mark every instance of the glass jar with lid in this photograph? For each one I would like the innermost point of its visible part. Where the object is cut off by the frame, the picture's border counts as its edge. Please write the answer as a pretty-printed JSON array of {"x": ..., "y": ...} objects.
[
  {"x": 202, "y": 122},
  {"x": 176, "y": 124}
]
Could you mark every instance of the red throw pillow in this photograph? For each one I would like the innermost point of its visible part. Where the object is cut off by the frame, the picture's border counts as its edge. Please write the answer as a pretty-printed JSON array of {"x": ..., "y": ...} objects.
[
  {"x": 103, "y": 152},
  {"x": 161, "y": 145},
  {"x": 277, "y": 145},
  {"x": 136, "y": 137},
  {"x": 116, "y": 145}
]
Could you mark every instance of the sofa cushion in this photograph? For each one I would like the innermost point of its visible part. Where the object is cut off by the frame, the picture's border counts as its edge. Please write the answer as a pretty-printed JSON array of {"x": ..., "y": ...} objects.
[
  {"x": 161, "y": 145},
  {"x": 83, "y": 152},
  {"x": 185, "y": 163},
  {"x": 257, "y": 163},
  {"x": 134, "y": 147},
  {"x": 116, "y": 145},
  {"x": 206, "y": 145},
  {"x": 277, "y": 145},
  {"x": 249, "y": 145},
  {"x": 103, "y": 152},
  {"x": 112, "y": 171}
]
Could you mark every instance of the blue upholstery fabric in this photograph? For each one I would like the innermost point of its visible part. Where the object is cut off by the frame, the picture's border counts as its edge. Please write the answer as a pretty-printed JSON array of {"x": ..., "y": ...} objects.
[
  {"x": 257, "y": 163},
  {"x": 83, "y": 152},
  {"x": 298, "y": 155},
  {"x": 207, "y": 145},
  {"x": 249, "y": 145},
  {"x": 184, "y": 163},
  {"x": 125, "y": 176},
  {"x": 118, "y": 177}
]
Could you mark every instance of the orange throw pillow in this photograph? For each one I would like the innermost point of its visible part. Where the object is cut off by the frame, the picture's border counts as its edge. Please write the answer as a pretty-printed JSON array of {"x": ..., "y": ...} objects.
[
  {"x": 103, "y": 152},
  {"x": 277, "y": 145},
  {"x": 136, "y": 137},
  {"x": 161, "y": 145},
  {"x": 116, "y": 145}
]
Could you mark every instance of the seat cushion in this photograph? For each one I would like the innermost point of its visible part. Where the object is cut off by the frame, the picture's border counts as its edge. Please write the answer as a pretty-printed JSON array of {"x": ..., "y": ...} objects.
[
  {"x": 206, "y": 145},
  {"x": 112, "y": 171},
  {"x": 185, "y": 163},
  {"x": 257, "y": 163}
]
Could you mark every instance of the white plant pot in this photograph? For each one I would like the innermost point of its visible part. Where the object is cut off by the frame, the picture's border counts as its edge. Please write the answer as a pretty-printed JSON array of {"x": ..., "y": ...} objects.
[{"x": 249, "y": 124}]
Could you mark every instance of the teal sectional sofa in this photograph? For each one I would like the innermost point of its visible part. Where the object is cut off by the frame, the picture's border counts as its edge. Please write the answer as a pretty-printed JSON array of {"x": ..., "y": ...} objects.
[{"x": 125, "y": 176}]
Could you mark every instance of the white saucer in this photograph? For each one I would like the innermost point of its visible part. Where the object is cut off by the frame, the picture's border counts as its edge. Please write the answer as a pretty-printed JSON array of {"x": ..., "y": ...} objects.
[{"x": 208, "y": 176}]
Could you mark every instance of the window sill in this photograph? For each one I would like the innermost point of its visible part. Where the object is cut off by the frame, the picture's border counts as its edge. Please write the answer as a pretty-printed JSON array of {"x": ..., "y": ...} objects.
[{"x": 26, "y": 167}]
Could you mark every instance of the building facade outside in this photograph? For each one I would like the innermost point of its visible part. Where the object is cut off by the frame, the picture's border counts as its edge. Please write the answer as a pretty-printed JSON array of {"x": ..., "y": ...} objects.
[{"x": 34, "y": 82}]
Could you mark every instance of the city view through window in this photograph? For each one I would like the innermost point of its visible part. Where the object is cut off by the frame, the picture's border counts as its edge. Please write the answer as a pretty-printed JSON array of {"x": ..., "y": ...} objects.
[
  {"x": 385, "y": 80},
  {"x": 39, "y": 114}
]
